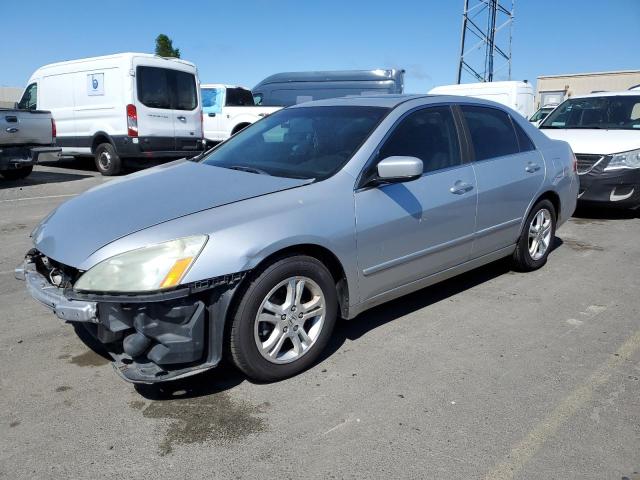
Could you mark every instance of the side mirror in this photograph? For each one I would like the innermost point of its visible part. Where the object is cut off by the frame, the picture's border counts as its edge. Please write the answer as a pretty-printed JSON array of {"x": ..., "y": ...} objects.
[{"x": 399, "y": 169}]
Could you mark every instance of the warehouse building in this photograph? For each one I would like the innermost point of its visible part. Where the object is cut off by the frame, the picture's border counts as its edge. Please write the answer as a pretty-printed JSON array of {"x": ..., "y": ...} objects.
[
  {"x": 553, "y": 89},
  {"x": 9, "y": 96}
]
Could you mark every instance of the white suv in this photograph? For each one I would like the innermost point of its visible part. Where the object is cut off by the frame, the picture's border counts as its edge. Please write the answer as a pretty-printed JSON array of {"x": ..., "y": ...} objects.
[{"x": 603, "y": 130}]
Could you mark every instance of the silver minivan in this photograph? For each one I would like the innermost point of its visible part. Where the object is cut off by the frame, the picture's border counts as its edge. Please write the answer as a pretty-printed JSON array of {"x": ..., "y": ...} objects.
[{"x": 319, "y": 211}]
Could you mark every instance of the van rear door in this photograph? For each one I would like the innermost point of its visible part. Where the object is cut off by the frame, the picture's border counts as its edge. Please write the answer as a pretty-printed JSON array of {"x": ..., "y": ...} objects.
[
  {"x": 187, "y": 116},
  {"x": 155, "y": 113},
  {"x": 168, "y": 113}
]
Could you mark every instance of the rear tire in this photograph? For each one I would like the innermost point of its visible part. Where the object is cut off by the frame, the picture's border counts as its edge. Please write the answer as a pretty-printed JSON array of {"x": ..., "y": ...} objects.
[
  {"x": 18, "y": 173},
  {"x": 536, "y": 240},
  {"x": 108, "y": 161},
  {"x": 276, "y": 334}
]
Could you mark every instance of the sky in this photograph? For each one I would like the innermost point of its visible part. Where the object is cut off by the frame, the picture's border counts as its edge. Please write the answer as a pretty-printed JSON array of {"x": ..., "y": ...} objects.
[{"x": 242, "y": 42}]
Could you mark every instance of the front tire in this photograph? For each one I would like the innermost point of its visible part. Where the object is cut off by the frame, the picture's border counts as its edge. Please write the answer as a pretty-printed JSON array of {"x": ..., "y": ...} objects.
[
  {"x": 536, "y": 240},
  {"x": 284, "y": 319},
  {"x": 108, "y": 161},
  {"x": 18, "y": 173}
]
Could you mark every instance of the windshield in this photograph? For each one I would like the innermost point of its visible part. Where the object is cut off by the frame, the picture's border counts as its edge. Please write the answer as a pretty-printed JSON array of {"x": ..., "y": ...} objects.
[
  {"x": 540, "y": 114},
  {"x": 311, "y": 142},
  {"x": 611, "y": 113}
]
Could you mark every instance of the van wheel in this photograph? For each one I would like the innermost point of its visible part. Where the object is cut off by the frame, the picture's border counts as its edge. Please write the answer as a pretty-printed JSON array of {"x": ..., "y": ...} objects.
[
  {"x": 18, "y": 173},
  {"x": 107, "y": 160},
  {"x": 284, "y": 319},
  {"x": 536, "y": 240}
]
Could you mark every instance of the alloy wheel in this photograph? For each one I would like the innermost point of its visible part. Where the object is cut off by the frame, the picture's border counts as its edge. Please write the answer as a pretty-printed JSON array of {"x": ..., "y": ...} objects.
[
  {"x": 289, "y": 320},
  {"x": 540, "y": 234}
]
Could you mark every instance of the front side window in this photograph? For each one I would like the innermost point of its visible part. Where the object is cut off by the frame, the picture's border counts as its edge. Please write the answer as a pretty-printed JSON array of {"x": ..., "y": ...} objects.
[
  {"x": 239, "y": 97},
  {"x": 165, "y": 88},
  {"x": 212, "y": 99},
  {"x": 429, "y": 134},
  {"x": 607, "y": 112},
  {"x": 540, "y": 115},
  {"x": 307, "y": 142},
  {"x": 29, "y": 100},
  {"x": 491, "y": 130}
]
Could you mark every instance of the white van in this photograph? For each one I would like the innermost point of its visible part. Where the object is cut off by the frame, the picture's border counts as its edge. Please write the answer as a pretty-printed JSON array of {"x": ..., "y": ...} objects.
[
  {"x": 516, "y": 95},
  {"x": 122, "y": 106}
]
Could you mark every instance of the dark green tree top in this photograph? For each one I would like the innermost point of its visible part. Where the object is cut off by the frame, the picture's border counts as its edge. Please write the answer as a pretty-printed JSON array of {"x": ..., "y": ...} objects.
[{"x": 164, "y": 47}]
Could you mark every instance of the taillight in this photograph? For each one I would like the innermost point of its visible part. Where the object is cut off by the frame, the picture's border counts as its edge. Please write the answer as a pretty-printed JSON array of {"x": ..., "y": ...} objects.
[
  {"x": 53, "y": 130},
  {"x": 132, "y": 121}
]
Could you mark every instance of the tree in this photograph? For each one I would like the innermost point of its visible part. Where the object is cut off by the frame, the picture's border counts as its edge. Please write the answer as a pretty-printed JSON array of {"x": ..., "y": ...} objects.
[{"x": 164, "y": 47}]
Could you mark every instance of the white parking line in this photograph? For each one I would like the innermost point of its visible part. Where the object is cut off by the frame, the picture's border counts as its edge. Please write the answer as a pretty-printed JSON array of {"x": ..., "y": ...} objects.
[{"x": 39, "y": 198}]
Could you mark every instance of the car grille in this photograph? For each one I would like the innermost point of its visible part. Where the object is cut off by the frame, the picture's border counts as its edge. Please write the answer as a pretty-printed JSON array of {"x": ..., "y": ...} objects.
[{"x": 587, "y": 162}]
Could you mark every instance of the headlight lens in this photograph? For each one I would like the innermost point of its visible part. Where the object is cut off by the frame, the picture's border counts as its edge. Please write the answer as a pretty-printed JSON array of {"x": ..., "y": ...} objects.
[
  {"x": 624, "y": 160},
  {"x": 156, "y": 267}
]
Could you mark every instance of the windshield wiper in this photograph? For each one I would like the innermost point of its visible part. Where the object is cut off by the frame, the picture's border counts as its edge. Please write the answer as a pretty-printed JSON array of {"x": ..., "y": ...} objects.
[{"x": 243, "y": 168}]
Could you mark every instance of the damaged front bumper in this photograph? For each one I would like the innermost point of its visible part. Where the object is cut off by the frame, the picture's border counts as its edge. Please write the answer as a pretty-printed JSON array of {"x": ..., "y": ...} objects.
[
  {"x": 151, "y": 338},
  {"x": 615, "y": 188}
]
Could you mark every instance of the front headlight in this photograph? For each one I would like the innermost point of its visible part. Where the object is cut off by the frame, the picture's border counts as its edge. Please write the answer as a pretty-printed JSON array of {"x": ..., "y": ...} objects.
[
  {"x": 624, "y": 160},
  {"x": 145, "y": 269}
]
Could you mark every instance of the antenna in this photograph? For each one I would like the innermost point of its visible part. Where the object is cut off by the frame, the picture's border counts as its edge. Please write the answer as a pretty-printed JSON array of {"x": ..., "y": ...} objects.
[{"x": 477, "y": 40}]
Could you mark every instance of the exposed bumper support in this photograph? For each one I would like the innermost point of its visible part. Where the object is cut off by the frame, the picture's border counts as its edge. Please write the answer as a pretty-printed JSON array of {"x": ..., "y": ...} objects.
[
  {"x": 17, "y": 157},
  {"x": 52, "y": 297}
]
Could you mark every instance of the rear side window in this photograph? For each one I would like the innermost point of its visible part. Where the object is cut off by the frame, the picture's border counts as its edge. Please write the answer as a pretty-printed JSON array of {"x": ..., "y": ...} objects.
[
  {"x": 168, "y": 89},
  {"x": 525, "y": 143},
  {"x": 492, "y": 132},
  {"x": 29, "y": 100},
  {"x": 239, "y": 97},
  {"x": 429, "y": 134}
]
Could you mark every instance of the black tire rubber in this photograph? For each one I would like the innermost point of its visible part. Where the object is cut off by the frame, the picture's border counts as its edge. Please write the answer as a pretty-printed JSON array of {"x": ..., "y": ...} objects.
[
  {"x": 18, "y": 173},
  {"x": 115, "y": 163},
  {"x": 521, "y": 259},
  {"x": 243, "y": 349}
]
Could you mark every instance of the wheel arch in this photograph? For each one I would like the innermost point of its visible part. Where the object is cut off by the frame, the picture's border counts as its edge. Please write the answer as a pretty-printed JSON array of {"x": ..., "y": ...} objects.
[
  {"x": 550, "y": 195},
  {"x": 239, "y": 126},
  {"x": 100, "y": 138},
  {"x": 320, "y": 253}
]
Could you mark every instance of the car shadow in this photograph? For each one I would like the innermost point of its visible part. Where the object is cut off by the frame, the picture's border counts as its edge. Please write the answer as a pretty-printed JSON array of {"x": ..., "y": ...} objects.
[
  {"x": 39, "y": 177},
  {"x": 587, "y": 212}
]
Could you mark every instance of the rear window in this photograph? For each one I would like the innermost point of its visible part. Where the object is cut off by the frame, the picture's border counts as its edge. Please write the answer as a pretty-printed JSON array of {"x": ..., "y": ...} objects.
[
  {"x": 239, "y": 97},
  {"x": 165, "y": 88},
  {"x": 492, "y": 132}
]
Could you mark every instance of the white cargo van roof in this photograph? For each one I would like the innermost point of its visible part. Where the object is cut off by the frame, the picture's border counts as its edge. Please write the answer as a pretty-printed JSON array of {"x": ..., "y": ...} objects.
[{"x": 115, "y": 56}]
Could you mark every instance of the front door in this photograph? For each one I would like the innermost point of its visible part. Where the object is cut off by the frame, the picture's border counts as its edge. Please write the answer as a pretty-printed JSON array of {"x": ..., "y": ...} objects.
[
  {"x": 212, "y": 98},
  {"x": 408, "y": 231},
  {"x": 509, "y": 171}
]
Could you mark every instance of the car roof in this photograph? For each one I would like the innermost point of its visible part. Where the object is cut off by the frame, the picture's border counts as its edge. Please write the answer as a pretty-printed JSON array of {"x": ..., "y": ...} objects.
[
  {"x": 392, "y": 100},
  {"x": 221, "y": 85},
  {"x": 609, "y": 94}
]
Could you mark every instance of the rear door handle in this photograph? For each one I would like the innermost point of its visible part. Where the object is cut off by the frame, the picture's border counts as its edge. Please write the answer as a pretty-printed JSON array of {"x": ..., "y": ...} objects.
[
  {"x": 460, "y": 188},
  {"x": 532, "y": 167},
  {"x": 184, "y": 119},
  {"x": 11, "y": 119}
]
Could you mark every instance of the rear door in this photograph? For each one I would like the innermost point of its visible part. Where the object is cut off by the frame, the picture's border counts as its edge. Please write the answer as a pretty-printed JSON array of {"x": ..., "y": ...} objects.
[
  {"x": 156, "y": 116},
  {"x": 509, "y": 172},
  {"x": 187, "y": 114}
]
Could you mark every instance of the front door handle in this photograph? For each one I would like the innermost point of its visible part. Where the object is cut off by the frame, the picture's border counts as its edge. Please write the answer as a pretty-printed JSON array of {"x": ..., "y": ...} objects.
[
  {"x": 460, "y": 188},
  {"x": 184, "y": 119},
  {"x": 532, "y": 168},
  {"x": 12, "y": 130},
  {"x": 211, "y": 114}
]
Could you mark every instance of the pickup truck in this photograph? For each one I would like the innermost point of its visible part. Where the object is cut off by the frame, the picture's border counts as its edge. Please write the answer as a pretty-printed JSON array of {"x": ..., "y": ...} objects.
[
  {"x": 26, "y": 137},
  {"x": 227, "y": 109}
]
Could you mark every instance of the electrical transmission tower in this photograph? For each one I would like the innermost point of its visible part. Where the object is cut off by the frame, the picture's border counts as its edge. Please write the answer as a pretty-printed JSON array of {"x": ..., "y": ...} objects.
[{"x": 486, "y": 33}]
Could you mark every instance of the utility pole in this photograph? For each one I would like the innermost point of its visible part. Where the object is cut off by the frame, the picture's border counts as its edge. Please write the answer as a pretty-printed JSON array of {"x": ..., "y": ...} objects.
[{"x": 482, "y": 42}]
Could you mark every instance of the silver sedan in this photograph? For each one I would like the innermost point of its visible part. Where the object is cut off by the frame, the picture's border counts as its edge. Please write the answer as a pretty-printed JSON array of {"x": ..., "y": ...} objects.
[{"x": 319, "y": 211}]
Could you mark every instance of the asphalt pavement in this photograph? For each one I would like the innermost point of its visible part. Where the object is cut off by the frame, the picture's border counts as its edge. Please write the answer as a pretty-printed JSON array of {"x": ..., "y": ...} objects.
[{"x": 490, "y": 375}]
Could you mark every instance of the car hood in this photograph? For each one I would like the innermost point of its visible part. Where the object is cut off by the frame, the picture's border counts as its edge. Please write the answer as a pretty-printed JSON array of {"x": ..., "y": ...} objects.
[
  {"x": 129, "y": 204},
  {"x": 595, "y": 141}
]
